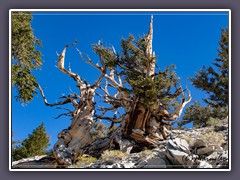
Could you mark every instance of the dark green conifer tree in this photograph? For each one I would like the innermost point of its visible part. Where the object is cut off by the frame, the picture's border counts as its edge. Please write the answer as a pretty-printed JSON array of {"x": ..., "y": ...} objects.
[
  {"x": 35, "y": 144},
  {"x": 25, "y": 56},
  {"x": 214, "y": 80}
]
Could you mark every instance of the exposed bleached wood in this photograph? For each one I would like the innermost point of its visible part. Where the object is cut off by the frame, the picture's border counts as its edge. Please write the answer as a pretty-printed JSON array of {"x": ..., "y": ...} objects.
[
  {"x": 149, "y": 51},
  {"x": 177, "y": 113},
  {"x": 61, "y": 62},
  {"x": 67, "y": 100}
]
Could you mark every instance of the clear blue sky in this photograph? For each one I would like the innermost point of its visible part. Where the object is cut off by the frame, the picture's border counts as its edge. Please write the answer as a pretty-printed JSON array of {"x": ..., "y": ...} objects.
[{"x": 187, "y": 39}]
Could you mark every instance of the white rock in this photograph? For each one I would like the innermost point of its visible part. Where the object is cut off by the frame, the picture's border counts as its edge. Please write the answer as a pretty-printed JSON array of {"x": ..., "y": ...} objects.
[
  {"x": 128, "y": 165},
  {"x": 213, "y": 156},
  {"x": 28, "y": 159},
  {"x": 204, "y": 164}
]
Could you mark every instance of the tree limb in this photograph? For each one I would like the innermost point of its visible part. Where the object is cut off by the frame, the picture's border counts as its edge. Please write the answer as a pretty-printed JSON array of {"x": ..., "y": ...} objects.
[
  {"x": 61, "y": 61},
  {"x": 63, "y": 114},
  {"x": 112, "y": 119},
  {"x": 177, "y": 113},
  {"x": 67, "y": 100}
]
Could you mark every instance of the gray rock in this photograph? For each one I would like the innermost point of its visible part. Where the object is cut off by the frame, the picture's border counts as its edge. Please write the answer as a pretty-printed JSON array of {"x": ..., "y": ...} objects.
[
  {"x": 218, "y": 128},
  {"x": 141, "y": 164},
  {"x": 198, "y": 143},
  {"x": 218, "y": 159},
  {"x": 155, "y": 163},
  {"x": 117, "y": 165},
  {"x": 168, "y": 164},
  {"x": 182, "y": 144},
  {"x": 126, "y": 146},
  {"x": 106, "y": 166},
  {"x": 225, "y": 155},
  {"x": 179, "y": 144},
  {"x": 178, "y": 154},
  {"x": 206, "y": 150},
  {"x": 161, "y": 154}
]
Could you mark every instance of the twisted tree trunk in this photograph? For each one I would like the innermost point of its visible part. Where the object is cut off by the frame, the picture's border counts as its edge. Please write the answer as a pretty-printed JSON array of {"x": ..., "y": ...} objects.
[{"x": 140, "y": 124}]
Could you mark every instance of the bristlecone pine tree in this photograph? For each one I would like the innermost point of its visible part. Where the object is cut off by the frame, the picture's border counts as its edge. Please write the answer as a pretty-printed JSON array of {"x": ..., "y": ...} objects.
[
  {"x": 148, "y": 97},
  {"x": 35, "y": 145},
  {"x": 25, "y": 56}
]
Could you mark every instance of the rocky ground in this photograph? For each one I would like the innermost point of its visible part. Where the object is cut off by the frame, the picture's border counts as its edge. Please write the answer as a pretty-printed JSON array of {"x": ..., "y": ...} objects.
[{"x": 194, "y": 148}]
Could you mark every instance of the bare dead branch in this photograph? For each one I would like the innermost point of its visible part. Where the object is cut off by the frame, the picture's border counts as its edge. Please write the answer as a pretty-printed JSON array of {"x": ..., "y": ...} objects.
[
  {"x": 72, "y": 98},
  {"x": 97, "y": 66},
  {"x": 88, "y": 61},
  {"x": 177, "y": 113},
  {"x": 108, "y": 109},
  {"x": 67, "y": 100},
  {"x": 112, "y": 73},
  {"x": 64, "y": 109},
  {"x": 110, "y": 77},
  {"x": 149, "y": 52},
  {"x": 99, "y": 95},
  {"x": 112, "y": 119},
  {"x": 114, "y": 100},
  {"x": 120, "y": 81},
  {"x": 61, "y": 61},
  {"x": 63, "y": 114},
  {"x": 175, "y": 94},
  {"x": 75, "y": 96},
  {"x": 159, "y": 71},
  {"x": 103, "y": 72},
  {"x": 129, "y": 69},
  {"x": 105, "y": 90}
]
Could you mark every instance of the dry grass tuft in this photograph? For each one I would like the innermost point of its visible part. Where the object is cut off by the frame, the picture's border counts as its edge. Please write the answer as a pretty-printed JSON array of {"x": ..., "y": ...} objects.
[
  {"x": 83, "y": 160},
  {"x": 113, "y": 155}
]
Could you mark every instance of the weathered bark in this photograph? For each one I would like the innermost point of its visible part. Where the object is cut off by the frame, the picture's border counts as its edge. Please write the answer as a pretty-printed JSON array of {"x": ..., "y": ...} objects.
[
  {"x": 149, "y": 50},
  {"x": 72, "y": 140},
  {"x": 141, "y": 125}
]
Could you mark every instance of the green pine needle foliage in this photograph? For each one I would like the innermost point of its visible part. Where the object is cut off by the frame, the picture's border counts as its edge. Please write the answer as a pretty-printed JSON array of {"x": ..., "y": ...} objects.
[
  {"x": 201, "y": 116},
  {"x": 215, "y": 79},
  {"x": 25, "y": 56},
  {"x": 131, "y": 64}
]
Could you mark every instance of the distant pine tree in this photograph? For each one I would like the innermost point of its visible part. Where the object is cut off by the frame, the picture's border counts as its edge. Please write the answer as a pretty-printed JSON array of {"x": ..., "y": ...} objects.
[
  {"x": 15, "y": 143},
  {"x": 215, "y": 82},
  {"x": 200, "y": 115},
  {"x": 35, "y": 144}
]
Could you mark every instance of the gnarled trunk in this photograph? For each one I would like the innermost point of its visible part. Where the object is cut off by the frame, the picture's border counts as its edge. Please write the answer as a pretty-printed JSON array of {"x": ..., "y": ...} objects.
[
  {"x": 141, "y": 125},
  {"x": 72, "y": 140}
]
